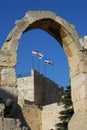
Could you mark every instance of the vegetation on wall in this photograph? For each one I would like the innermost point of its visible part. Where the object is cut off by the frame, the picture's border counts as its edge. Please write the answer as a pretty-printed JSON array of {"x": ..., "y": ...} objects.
[{"x": 66, "y": 114}]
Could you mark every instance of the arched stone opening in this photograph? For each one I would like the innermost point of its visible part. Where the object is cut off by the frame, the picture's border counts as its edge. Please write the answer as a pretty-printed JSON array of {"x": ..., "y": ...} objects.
[{"x": 69, "y": 40}]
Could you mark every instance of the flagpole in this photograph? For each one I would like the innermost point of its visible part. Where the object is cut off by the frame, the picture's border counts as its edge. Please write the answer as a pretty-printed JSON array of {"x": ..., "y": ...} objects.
[
  {"x": 32, "y": 62},
  {"x": 45, "y": 69},
  {"x": 47, "y": 61},
  {"x": 40, "y": 56},
  {"x": 39, "y": 64}
]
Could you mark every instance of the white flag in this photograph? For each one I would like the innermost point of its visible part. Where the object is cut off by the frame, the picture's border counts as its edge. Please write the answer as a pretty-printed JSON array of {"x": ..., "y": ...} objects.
[
  {"x": 48, "y": 62},
  {"x": 34, "y": 52},
  {"x": 39, "y": 54}
]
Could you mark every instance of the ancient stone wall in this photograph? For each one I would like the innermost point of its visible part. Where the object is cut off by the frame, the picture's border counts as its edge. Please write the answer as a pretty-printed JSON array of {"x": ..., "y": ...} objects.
[
  {"x": 50, "y": 116},
  {"x": 8, "y": 84},
  {"x": 33, "y": 116},
  {"x": 25, "y": 89},
  {"x": 39, "y": 96},
  {"x": 79, "y": 81},
  {"x": 79, "y": 90},
  {"x": 42, "y": 118},
  {"x": 46, "y": 91},
  {"x": 38, "y": 89}
]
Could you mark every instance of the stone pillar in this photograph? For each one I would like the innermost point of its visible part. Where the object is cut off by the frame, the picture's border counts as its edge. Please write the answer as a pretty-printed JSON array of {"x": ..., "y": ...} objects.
[
  {"x": 79, "y": 90},
  {"x": 8, "y": 83}
]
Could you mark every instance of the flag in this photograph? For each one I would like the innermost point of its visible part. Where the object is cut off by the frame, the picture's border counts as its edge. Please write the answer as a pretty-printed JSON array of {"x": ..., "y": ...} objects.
[
  {"x": 47, "y": 61},
  {"x": 37, "y": 53},
  {"x": 34, "y": 52},
  {"x": 40, "y": 55}
]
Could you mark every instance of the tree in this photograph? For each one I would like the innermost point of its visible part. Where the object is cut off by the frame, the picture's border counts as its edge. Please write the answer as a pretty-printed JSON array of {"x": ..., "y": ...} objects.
[{"x": 68, "y": 111}]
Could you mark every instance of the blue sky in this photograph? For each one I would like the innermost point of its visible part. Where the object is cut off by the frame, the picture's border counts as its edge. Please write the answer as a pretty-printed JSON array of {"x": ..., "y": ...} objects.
[{"x": 73, "y": 11}]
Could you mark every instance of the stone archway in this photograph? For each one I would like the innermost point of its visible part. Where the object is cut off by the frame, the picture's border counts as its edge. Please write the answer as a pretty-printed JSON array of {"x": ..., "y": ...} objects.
[{"x": 63, "y": 32}]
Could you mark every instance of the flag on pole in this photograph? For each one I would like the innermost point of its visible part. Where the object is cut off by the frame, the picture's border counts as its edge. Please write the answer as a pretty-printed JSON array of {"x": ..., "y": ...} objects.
[
  {"x": 37, "y": 53},
  {"x": 47, "y": 61},
  {"x": 34, "y": 52}
]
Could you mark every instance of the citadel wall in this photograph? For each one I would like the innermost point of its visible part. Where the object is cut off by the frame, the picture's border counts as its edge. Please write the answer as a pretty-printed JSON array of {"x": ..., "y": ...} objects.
[
  {"x": 38, "y": 111},
  {"x": 38, "y": 89},
  {"x": 25, "y": 89}
]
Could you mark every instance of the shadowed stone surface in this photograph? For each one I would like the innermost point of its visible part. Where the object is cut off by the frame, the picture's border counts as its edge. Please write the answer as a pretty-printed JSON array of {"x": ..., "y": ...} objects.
[{"x": 11, "y": 124}]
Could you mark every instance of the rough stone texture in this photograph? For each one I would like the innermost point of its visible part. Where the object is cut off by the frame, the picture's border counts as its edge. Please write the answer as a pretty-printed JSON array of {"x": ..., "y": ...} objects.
[
  {"x": 25, "y": 89},
  {"x": 7, "y": 58},
  {"x": 33, "y": 117},
  {"x": 50, "y": 117},
  {"x": 63, "y": 32},
  {"x": 42, "y": 118},
  {"x": 79, "y": 90},
  {"x": 80, "y": 105},
  {"x": 11, "y": 124},
  {"x": 8, "y": 77},
  {"x": 78, "y": 121},
  {"x": 48, "y": 21}
]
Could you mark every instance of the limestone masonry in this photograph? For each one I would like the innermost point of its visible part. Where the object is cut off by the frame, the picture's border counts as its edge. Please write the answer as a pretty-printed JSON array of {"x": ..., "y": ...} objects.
[
  {"x": 38, "y": 96},
  {"x": 13, "y": 88}
]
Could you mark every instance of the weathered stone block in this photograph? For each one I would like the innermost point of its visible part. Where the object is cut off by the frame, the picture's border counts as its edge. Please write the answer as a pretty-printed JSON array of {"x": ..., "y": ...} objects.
[
  {"x": 78, "y": 121},
  {"x": 74, "y": 65},
  {"x": 33, "y": 117},
  {"x": 8, "y": 58},
  {"x": 11, "y": 124},
  {"x": 80, "y": 105},
  {"x": 79, "y": 80},
  {"x": 8, "y": 77},
  {"x": 75, "y": 94},
  {"x": 79, "y": 87}
]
